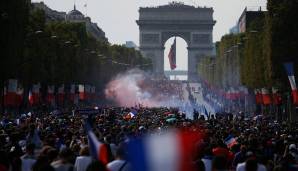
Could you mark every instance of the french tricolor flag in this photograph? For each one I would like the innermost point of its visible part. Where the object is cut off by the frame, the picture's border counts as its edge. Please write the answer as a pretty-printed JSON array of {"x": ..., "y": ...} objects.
[
  {"x": 97, "y": 149},
  {"x": 132, "y": 113},
  {"x": 230, "y": 141},
  {"x": 30, "y": 98},
  {"x": 171, "y": 151},
  {"x": 290, "y": 71}
]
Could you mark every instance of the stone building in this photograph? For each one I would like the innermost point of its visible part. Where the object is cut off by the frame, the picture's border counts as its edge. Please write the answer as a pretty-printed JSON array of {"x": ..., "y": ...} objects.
[{"x": 73, "y": 16}]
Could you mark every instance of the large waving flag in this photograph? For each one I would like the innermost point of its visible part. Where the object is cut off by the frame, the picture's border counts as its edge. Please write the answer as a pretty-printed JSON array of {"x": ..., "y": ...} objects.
[
  {"x": 98, "y": 150},
  {"x": 290, "y": 71},
  {"x": 171, "y": 151},
  {"x": 172, "y": 55}
]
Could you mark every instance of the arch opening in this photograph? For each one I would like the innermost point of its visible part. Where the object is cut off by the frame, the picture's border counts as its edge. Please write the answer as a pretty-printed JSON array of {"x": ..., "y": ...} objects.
[{"x": 180, "y": 72}]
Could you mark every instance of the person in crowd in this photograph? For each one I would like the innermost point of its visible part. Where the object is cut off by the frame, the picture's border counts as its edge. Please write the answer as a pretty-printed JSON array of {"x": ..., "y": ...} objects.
[
  {"x": 28, "y": 159},
  {"x": 96, "y": 166},
  {"x": 273, "y": 144},
  {"x": 63, "y": 163},
  {"x": 119, "y": 164},
  {"x": 251, "y": 164},
  {"x": 83, "y": 160},
  {"x": 219, "y": 163},
  {"x": 240, "y": 156}
]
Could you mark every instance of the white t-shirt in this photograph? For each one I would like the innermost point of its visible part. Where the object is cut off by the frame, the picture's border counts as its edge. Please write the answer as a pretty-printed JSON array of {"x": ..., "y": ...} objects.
[
  {"x": 117, "y": 164},
  {"x": 241, "y": 167},
  {"x": 82, "y": 162}
]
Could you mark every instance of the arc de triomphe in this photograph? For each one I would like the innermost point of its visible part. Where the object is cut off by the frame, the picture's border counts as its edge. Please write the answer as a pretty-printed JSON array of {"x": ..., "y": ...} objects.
[{"x": 193, "y": 24}]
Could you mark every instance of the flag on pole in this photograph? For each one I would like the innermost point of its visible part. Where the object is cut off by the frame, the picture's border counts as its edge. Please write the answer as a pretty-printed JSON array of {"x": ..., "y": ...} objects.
[
  {"x": 98, "y": 150},
  {"x": 12, "y": 92},
  {"x": 266, "y": 96},
  {"x": 50, "y": 95},
  {"x": 276, "y": 97},
  {"x": 172, "y": 55},
  {"x": 72, "y": 93},
  {"x": 81, "y": 92},
  {"x": 290, "y": 71},
  {"x": 259, "y": 99},
  {"x": 19, "y": 96},
  {"x": 30, "y": 98},
  {"x": 35, "y": 93},
  {"x": 5, "y": 98},
  {"x": 61, "y": 94}
]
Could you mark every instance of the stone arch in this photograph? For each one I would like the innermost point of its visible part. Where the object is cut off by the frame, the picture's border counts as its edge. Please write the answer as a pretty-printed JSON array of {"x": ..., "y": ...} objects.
[
  {"x": 193, "y": 24},
  {"x": 165, "y": 36}
]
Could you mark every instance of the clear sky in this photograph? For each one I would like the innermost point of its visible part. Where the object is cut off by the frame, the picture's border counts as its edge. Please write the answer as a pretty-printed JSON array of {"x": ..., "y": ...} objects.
[{"x": 117, "y": 17}]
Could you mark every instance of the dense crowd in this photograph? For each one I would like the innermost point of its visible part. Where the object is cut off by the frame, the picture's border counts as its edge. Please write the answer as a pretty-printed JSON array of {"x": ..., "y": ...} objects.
[
  {"x": 48, "y": 142},
  {"x": 168, "y": 88}
]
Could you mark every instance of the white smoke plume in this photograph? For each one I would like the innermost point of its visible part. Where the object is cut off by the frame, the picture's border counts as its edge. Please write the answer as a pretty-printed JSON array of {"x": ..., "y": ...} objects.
[{"x": 134, "y": 87}]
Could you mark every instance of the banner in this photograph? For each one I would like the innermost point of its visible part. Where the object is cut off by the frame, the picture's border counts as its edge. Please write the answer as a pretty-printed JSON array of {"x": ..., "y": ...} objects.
[
  {"x": 19, "y": 96},
  {"x": 35, "y": 94},
  {"x": 266, "y": 96},
  {"x": 72, "y": 93},
  {"x": 11, "y": 92},
  {"x": 81, "y": 92},
  {"x": 50, "y": 96},
  {"x": 276, "y": 97},
  {"x": 258, "y": 95},
  {"x": 61, "y": 94}
]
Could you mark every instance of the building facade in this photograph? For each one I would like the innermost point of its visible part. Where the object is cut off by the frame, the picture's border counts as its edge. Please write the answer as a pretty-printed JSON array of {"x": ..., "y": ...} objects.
[{"x": 73, "y": 16}]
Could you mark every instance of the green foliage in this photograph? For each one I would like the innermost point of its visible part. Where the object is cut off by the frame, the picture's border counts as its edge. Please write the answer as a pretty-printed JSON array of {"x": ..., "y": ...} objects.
[
  {"x": 283, "y": 37},
  {"x": 262, "y": 50},
  {"x": 63, "y": 53},
  {"x": 247, "y": 53},
  {"x": 13, "y": 20}
]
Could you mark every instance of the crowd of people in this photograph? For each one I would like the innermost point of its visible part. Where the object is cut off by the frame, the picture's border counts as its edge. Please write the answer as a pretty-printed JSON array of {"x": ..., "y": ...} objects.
[
  {"x": 169, "y": 88},
  {"x": 43, "y": 141}
]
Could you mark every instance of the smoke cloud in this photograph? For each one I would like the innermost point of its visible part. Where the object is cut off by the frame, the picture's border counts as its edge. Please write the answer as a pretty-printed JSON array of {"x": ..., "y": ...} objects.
[{"x": 135, "y": 87}]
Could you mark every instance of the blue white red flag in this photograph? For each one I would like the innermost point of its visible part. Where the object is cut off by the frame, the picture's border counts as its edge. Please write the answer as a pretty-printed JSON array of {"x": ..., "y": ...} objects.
[
  {"x": 290, "y": 71},
  {"x": 171, "y": 151},
  {"x": 30, "y": 98},
  {"x": 172, "y": 55},
  {"x": 230, "y": 141},
  {"x": 98, "y": 150},
  {"x": 132, "y": 113}
]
